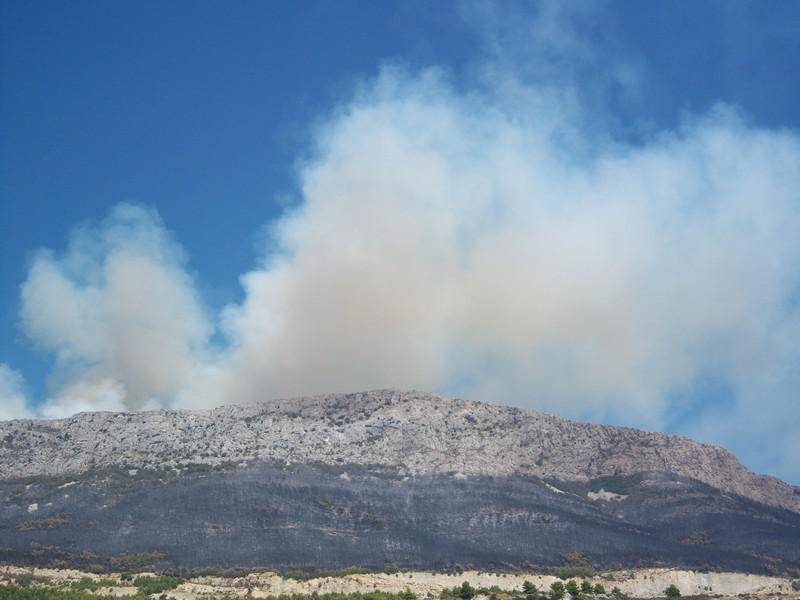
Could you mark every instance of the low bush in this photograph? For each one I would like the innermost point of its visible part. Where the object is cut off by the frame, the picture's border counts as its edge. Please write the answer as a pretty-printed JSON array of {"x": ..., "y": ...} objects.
[
  {"x": 672, "y": 592},
  {"x": 575, "y": 571},
  {"x": 155, "y": 585},
  {"x": 92, "y": 585},
  {"x": 300, "y": 575},
  {"x": 28, "y": 593},
  {"x": 26, "y": 579}
]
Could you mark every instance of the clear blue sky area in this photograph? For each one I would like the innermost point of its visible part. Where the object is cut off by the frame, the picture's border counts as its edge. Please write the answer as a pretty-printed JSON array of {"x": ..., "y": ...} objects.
[{"x": 202, "y": 109}]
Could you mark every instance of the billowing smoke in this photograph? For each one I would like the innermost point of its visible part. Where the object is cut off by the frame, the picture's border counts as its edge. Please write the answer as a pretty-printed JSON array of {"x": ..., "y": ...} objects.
[
  {"x": 455, "y": 244},
  {"x": 476, "y": 244},
  {"x": 121, "y": 314}
]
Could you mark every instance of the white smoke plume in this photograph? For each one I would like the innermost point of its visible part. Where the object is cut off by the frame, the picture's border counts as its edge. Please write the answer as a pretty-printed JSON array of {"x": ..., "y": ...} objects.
[
  {"x": 482, "y": 244},
  {"x": 445, "y": 243},
  {"x": 119, "y": 311}
]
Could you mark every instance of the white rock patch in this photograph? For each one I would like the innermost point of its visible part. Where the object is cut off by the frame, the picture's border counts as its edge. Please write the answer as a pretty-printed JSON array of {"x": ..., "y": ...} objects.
[
  {"x": 554, "y": 489},
  {"x": 607, "y": 496}
]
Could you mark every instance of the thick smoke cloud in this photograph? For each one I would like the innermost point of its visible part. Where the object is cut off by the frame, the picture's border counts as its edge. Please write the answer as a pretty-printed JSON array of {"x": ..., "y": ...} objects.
[
  {"x": 119, "y": 311},
  {"x": 450, "y": 243},
  {"x": 476, "y": 244}
]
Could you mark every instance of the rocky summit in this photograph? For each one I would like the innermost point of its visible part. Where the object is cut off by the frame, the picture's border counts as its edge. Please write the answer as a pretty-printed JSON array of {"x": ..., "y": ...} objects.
[{"x": 380, "y": 478}]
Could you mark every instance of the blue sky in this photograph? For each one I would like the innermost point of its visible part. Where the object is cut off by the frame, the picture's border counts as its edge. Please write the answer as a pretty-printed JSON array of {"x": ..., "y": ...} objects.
[
  {"x": 214, "y": 121},
  {"x": 198, "y": 111}
]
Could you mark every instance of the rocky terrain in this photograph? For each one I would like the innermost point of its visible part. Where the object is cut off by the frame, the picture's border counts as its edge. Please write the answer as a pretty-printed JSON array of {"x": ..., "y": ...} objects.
[
  {"x": 409, "y": 433},
  {"x": 643, "y": 583},
  {"x": 380, "y": 478}
]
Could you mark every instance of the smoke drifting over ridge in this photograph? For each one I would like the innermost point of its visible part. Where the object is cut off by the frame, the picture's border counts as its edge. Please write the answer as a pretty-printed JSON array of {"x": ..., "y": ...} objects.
[
  {"x": 12, "y": 397},
  {"x": 476, "y": 244}
]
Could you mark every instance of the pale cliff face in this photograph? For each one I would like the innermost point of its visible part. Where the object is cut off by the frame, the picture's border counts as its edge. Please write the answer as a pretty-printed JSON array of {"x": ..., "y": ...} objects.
[{"x": 410, "y": 432}]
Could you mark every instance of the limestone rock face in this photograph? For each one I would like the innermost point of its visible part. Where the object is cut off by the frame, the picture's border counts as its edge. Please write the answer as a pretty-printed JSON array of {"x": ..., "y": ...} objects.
[{"x": 408, "y": 433}]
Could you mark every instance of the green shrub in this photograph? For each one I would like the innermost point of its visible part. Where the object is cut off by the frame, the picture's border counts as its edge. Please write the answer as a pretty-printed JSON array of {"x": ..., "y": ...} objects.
[
  {"x": 26, "y": 579},
  {"x": 155, "y": 585},
  {"x": 599, "y": 589},
  {"x": 618, "y": 594},
  {"x": 88, "y": 584},
  {"x": 557, "y": 590},
  {"x": 28, "y": 593},
  {"x": 672, "y": 592},
  {"x": 466, "y": 591},
  {"x": 572, "y": 588},
  {"x": 575, "y": 571},
  {"x": 530, "y": 590}
]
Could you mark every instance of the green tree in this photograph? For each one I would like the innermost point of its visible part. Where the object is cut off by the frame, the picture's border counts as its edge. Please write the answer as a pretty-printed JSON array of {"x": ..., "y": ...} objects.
[
  {"x": 599, "y": 589},
  {"x": 466, "y": 591},
  {"x": 530, "y": 590},
  {"x": 617, "y": 594},
  {"x": 572, "y": 588},
  {"x": 586, "y": 587},
  {"x": 557, "y": 590},
  {"x": 672, "y": 592}
]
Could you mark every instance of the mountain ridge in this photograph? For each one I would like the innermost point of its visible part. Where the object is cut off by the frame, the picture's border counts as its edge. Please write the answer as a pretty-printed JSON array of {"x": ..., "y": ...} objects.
[{"x": 407, "y": 432}]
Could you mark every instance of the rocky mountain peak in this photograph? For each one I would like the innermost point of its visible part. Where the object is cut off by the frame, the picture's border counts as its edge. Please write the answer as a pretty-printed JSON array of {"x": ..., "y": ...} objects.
[{"x": 406, "y": 432}]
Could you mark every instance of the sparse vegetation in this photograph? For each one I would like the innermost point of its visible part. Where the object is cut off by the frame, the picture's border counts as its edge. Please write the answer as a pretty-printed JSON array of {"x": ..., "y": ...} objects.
[
  {"x": 155, "y": 585},
  {"x": 577, "y": 566},
  {"x": 44, "y": 523},
  {"x": 27, "y": 579},
  {"x": 89, "y": 584},
  {"x": 27, "y": 593},
  {"x": 136, "y": 562},
  {"x": 300, "y": 575},
  {"x": 571, "y": 571},
  {"x": 27, "y": 586},
  {"x": 406, "y": 595},
  {"x": 465, "y": 591}
]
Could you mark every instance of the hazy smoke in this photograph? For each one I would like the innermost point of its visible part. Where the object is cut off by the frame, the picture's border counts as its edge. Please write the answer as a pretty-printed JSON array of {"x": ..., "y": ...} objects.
[
  {"x": 12, "y": 397},
  {"x": 482, "y": 244}
]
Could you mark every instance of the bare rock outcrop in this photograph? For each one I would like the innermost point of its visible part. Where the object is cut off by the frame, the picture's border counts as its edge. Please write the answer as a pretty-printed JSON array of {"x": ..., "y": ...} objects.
[{"x": 410, "y": 433}]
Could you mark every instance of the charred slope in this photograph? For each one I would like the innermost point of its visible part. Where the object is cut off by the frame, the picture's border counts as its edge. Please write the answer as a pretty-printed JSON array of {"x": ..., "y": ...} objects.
[
  {"x": 415, "y": 434},
  {"x": 317, "y": 516}
]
